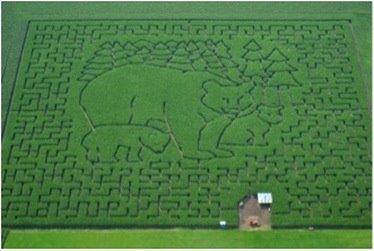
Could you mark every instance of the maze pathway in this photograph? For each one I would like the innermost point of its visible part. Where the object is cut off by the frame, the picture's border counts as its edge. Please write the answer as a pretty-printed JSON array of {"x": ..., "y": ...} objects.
[{"x": 171, "y": 123}]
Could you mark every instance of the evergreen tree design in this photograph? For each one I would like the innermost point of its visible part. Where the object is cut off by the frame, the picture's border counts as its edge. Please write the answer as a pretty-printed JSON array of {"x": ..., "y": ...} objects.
[
  {"x": 222, "y": 50},
  {"x": 129, "y": 49},
  {"x": 252, "y": 51},
  {"x": 201, "y": 47},
  {"x": 144, "y": 44},
  {"x": 172, "y": 45},
  {"x": 102, "y": 61},
  {"x": 253, "y": 60},
  {"x": 199, "y": 64},
  {"x": 104, "y": 58},
  {"x": 280, "y": 72},
  {"x": 180, "y": 58},
  {"x": 210, "y": 45},
  {"x": 234, "y": 74},
  {"x": 223, "y": 53},
  {"x": 192, "y": 47},
  {"x": 268, "y": 75},
  {"x": 193, "y": 50},
  {"x": 253, "y": 69},
  {"x": 160, "y": 55},
  {"x": 228, "y": 63},
  {"x": 183, "y": 55},
  {"x": 141, "y": 56},
  {"x": 212, "y": 60},
  {"x": 119, "y": 55}
]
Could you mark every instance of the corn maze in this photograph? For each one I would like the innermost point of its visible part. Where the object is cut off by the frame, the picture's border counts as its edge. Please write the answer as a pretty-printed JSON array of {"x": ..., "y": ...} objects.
[{"x": 144, "y": 123}]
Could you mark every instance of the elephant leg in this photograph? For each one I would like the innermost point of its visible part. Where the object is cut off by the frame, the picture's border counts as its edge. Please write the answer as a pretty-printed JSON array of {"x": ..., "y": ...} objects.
[{"x": 211, "y": 134}]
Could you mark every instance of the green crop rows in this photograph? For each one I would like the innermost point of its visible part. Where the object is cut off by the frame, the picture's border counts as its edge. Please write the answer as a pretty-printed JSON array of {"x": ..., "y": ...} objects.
[{"x": 171, "y": 123}]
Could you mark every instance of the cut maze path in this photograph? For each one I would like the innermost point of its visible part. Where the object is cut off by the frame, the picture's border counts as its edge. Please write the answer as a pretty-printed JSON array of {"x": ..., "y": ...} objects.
[{"x": 170, "y": 122}]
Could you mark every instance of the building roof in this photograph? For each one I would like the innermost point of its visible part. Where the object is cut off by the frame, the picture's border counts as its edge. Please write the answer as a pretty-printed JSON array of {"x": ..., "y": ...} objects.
[{"x": 264, "y": 198}]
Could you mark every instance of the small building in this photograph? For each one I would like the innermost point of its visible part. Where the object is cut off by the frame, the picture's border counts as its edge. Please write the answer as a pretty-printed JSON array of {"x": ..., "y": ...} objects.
[
  {"x": 264, "y": 198},
  {"x": 254, "y": 211},
  {"x": 222, "y": 224}
]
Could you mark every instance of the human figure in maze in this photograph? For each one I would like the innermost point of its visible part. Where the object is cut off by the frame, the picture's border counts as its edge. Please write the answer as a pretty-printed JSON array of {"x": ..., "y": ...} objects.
[{"x": 193, "y": 108}]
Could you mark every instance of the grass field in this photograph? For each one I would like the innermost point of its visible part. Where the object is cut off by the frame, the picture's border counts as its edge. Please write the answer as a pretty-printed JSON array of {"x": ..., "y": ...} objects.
[
  {"x": 113, "y": 124},
  {"x": 137, "y": 117},
  {"x": 189, "y": 239}
]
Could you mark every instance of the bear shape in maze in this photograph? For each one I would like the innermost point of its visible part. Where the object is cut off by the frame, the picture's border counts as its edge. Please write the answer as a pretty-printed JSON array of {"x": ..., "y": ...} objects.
[
  {"x": 193, "y": 107},
  {"x": 104, "y": 142}
]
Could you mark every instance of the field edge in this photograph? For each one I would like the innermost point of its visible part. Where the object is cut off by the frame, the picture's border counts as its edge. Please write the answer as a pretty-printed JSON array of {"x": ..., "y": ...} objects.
[{"x": 181, "y": 238}]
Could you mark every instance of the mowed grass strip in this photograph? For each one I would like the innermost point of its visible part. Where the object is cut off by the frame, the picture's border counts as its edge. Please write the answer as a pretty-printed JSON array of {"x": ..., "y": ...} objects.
[{"x": 189, "y": 239}]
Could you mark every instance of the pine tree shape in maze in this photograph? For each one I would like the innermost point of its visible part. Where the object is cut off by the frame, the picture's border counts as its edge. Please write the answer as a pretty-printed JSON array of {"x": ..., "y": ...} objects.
[{"x": 272, "y": 83}]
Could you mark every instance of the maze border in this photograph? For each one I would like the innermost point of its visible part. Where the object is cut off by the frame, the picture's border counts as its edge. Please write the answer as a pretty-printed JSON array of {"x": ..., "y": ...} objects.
[{"x": 355, "y": 64}]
